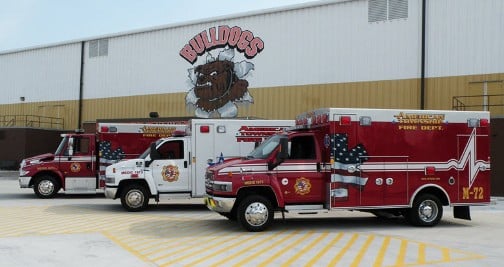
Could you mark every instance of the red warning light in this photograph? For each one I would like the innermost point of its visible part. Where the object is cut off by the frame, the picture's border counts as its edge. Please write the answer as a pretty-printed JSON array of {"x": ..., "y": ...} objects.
[
  {"x": 345, "y": 120},
  {"x": 204, "y": 129}
]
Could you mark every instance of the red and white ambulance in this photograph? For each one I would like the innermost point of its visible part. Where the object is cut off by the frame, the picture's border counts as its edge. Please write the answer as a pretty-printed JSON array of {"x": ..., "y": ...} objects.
[
  {"x": 78, "y": 165},
  {"x": 175, "y": 167},
  {"x": 403, "y": 162}
]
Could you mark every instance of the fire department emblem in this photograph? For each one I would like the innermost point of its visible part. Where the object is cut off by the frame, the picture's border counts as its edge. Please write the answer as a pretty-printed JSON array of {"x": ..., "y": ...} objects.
[
  {"x": 170, "y": 173},
  {"x": 302, "y": 186},
  {"x": 75, "y": 167}
]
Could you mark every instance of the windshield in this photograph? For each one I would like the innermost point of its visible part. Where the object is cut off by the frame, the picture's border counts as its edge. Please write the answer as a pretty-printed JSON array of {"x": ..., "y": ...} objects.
[
  {"x": 265, "y": 148},
  {"x": 59, "y": 150},
  {"x": 146, "y": 153}
]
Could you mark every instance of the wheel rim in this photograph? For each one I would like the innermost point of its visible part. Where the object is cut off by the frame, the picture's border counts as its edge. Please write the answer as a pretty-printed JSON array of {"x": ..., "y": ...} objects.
[
  {"x": 256, "y": 214},
  {"x": 135, "y": 199},
  {"x": 46, "y": 187},
  {"x": 428, "y": 211}
]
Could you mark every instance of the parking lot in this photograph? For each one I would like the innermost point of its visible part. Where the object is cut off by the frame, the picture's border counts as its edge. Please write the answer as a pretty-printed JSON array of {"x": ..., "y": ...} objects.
[{"x": 92, "y": 230}]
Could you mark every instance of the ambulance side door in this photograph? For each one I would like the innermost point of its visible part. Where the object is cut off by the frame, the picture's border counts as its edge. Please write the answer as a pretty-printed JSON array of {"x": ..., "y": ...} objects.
[
  {"x": 300, "y": 176},
  {"x": 171, "y": 172}
]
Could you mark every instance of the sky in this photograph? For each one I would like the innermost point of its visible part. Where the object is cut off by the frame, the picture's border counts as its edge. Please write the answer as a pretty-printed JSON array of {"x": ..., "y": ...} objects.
[{"x": 28, "y": 23}]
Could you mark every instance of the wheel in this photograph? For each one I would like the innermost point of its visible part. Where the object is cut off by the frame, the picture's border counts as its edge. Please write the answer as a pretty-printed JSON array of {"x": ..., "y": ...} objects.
[
  {"x": 46, "y": 186},
  {"x": 134, "y": 198},
  {"x": 255, "y": 213},
  {"x": 426, "y": 211},
  {"x": 229, "y": 215}
]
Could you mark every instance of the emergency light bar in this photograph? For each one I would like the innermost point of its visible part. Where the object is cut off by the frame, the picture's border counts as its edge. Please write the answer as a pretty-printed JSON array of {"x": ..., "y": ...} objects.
[{"x": 473, "y": 123}]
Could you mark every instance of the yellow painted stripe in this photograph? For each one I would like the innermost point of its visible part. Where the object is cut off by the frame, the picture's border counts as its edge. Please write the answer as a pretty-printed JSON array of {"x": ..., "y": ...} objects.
[
  {"x": 362, "y": 251},
  {"x": 381, "y": 254},
  {"x": 402, "y": 253},
  {"x": 182, "y": 249},
  {"x": 446, "y": 254},
  {"x": 200, "y": 250},
  {"x": 305, "y": 250},
  {"x": 319, "y": 255},
  {"x": 287, "y": 248},
  {"x": 267, "y": 248},
  {"x": 243, "y": 251},
  {"x": 124, "y": 246},
  {"x": 216, "y": 253},
  {"x": 421, "y": 253},
  {"x": 342, "y": 252}
]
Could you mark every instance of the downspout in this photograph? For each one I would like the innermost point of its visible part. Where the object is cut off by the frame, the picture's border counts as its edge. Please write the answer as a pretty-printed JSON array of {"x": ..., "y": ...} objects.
[
  {"x": 422, "y": 67},
  {"x": 81, "y": 86}
]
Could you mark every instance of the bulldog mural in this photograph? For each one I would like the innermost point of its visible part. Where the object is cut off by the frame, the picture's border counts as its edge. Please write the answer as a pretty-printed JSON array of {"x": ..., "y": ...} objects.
[{"x": 218, "y": 84}]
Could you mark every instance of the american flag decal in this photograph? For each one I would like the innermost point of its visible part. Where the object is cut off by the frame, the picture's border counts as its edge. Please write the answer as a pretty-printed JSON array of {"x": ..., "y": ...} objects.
[
  {"x": 343, "y": 157},
  {"x": 107, "y": 156}
]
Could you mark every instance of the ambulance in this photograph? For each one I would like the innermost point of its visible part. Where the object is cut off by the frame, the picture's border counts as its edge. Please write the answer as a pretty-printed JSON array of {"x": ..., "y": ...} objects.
[
  {"x": 174, "y": 167},
  {"x": 406, "y": 163},
  {"x": 78, "y": 165}
]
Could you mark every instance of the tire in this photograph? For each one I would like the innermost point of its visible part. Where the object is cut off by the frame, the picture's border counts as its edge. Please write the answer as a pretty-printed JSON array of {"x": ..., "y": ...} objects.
[
  {"x": 134, "y": 198},
  {"x": 426, "y": 211},
  {"x": 255, "y": 213},
  {"x": 46, "y": 186}
]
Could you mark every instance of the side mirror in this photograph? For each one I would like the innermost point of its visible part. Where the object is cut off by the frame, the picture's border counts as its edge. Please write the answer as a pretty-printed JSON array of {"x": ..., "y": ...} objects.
[
  {"x": 154, "y": 154},
  {"x": 70, "y": 146},
  {"x": 280, "y": 154}
]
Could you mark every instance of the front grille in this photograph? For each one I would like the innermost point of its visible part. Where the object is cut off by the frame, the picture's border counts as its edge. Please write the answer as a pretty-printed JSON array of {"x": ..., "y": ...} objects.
[{"x": 209, "y": 180}]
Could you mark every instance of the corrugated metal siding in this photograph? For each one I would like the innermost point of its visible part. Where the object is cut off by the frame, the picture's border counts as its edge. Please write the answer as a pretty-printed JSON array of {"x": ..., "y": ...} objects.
[
  {"x": 33, "y": 74},
  {"x": 464, "y": 37},
  {"x": 325, "y": 44},
  {"x": 66, "y": 110}
]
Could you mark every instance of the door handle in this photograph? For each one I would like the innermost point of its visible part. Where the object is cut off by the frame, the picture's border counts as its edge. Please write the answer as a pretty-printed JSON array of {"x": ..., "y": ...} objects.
[{"x": 185, "y": 164}]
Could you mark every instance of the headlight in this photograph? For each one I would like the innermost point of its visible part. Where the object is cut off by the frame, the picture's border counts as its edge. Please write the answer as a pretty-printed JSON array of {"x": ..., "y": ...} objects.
[
  {"x": 110, "y": 180},
  {"x": 223, "y": 186},
  {"x": 23, "y": 172}
]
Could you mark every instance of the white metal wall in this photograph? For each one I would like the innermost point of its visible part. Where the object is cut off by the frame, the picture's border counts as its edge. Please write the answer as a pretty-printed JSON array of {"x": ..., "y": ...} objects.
[
  {"x": 328, "y": 42},
  {"x": 324, "y": 44},
  {"x": 465, "y": 37},
  {"x": 47, "y": 74}
]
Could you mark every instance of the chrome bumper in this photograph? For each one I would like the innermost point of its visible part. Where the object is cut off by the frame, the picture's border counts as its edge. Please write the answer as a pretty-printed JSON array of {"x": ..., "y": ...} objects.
[
  {"x": 219, "y": 204},
  {"x": 110, "y": 192}
]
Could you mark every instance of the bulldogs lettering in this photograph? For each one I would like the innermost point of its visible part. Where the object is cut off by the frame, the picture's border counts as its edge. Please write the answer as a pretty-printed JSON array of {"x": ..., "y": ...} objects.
[{"x": 235, "y": 37}]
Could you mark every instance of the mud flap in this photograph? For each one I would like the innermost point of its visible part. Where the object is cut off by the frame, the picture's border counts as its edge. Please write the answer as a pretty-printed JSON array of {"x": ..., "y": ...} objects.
[{"x": 462, "y": 212}]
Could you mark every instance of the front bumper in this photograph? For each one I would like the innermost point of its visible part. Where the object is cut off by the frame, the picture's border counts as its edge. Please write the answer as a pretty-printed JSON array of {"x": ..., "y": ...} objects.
[
  {"x": 219, "y": 204},
  {"x": 110, "y": 192},
  {"x": 24, "y": 181}
]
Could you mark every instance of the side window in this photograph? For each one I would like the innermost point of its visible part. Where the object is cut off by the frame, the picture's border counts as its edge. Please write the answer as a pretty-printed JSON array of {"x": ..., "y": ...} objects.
[
  {"x": 302, "y": 147},
  {"x": 81, "y": 145},
  {"x": 172, "y": 150}
]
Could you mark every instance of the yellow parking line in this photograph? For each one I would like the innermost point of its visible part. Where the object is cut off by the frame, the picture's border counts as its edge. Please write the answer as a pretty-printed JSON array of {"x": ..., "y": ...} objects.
[
  {"x": 381, "y": 254},
  {"x": 421, "y": 253},
  {"x": 342, "y": 252},
  {"x": 402, "y": 253},
  {"x": 323, "y": 251},
  {"x": 362, "y": 251},
  {"x": 240, "y": 253},
  {"x": 216, "y": 253},
  {"x": 305, "y": 249},
  {"x": 262, "y": 251},
  {"x": 190, "y": 254},
  {"x": 282, "y": 251}
]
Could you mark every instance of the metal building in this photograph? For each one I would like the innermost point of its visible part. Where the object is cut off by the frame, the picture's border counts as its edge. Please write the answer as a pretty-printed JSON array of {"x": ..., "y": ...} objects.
[{"x": 273, "y": 64}]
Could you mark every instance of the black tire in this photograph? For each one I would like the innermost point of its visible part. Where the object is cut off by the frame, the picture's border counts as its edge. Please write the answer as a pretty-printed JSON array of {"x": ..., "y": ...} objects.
[
  {"x": 46, "y": 186},
  {"x": 255, "y": 213},
  {"x": 427, "y": 210},
  {"x": 134, "y": 198}
]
